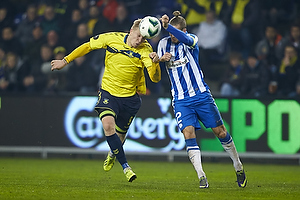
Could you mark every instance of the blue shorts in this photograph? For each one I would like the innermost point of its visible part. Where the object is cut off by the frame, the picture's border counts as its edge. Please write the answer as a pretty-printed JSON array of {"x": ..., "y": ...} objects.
[
  {"x": 201, "y": 107},
  {"x": 123, "y": 109}
]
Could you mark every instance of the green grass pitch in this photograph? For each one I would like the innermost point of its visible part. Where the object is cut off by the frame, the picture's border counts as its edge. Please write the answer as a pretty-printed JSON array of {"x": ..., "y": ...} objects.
[{"x": 24, "y": 178}]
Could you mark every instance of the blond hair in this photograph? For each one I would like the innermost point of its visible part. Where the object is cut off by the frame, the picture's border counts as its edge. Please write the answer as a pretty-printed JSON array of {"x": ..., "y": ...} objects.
[
  {"x": 136, "y": 24},
  {"x": 178, "y": 20}
]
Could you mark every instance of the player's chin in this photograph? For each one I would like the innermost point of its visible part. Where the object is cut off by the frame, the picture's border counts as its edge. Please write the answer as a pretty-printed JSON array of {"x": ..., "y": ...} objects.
[
  {"x": 174, "y": 40},
  {"x": 136, "y": 45}
]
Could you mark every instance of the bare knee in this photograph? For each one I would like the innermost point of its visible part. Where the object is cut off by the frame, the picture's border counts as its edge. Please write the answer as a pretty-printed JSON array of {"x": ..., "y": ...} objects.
[
  {"x": 189, "y": 132},
  {"x": 220, "y": 131},
  {"x": 108, "y": 123}
]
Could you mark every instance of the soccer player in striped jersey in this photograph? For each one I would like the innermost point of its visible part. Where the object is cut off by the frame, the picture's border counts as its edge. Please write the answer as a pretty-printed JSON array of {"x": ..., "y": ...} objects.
[
  {"x": 192, "y": 100},
  {"x": 118, "y": 101}
]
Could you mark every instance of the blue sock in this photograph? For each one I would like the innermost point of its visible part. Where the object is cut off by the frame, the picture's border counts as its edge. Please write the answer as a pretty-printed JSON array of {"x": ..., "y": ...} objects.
[
  {"x": 191, "y": 144},
  {"x": 116, "y": 146},
  {"x": 113, "y": 152},
  {"x": 226, "y": 140}
]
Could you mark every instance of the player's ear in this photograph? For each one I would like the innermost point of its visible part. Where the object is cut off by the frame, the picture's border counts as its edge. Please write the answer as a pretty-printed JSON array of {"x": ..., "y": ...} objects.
[{"x": 131, "y": 30}]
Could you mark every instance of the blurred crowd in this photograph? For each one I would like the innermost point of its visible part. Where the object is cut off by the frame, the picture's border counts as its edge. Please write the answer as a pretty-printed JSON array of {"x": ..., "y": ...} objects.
[{"x": 247, "y": 47}]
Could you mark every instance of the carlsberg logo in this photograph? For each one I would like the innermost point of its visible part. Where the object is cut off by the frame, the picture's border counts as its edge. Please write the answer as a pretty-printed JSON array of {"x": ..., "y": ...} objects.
[{"x": 84, "y": 129}]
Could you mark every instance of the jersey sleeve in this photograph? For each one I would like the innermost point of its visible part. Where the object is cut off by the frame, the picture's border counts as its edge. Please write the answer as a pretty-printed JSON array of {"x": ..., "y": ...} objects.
[
  {"x": 145, "y": 55},
  {"x": 152, "y": 68},
  {"x": 188, "y": 39},
  {"x": 78, "y": 52}
]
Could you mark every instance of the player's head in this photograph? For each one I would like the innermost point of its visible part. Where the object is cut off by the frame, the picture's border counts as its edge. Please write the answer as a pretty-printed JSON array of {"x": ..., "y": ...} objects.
[
  {"x": 135, "y": 38},
  {"x": 178, "y": 22}
]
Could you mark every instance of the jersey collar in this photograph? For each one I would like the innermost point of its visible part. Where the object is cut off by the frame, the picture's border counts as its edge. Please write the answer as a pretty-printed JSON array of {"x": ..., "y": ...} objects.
[{"x": 125, "y": 38}]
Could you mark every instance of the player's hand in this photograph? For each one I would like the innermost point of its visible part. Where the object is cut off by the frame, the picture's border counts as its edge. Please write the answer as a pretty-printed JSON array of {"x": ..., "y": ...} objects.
[
  {"x": 166, "y": 57},
  {"x": 58, "y": 64},
  {"x": 154, "y": 57},
  {"x": 165, "y": 21}
]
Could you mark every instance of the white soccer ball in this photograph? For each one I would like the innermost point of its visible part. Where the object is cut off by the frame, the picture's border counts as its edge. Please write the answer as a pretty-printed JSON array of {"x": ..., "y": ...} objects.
[{"x": 150, "y": 27}]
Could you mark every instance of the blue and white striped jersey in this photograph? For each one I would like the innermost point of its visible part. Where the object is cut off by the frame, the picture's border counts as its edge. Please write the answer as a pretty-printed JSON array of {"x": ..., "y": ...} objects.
[{"x": 183, "y": 68}]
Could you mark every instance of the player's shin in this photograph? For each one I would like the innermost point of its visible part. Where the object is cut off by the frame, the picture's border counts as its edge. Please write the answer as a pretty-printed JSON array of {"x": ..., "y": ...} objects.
[
  {"x": 195, "y": 156},
  {"x": 230, "y": 148},
  {"x": 116, "y": 147}
]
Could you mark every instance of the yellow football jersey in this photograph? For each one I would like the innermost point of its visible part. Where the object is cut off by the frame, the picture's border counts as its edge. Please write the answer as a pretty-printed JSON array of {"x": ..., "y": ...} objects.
[{"x": 124, "y": 66}]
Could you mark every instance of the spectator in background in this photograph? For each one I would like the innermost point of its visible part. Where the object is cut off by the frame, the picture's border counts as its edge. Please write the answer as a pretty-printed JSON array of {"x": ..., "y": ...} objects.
[
  {"x": 34, "y": 80},
  {"x": 32, "y": 49},
  {"x": 102, "y": 25},
  {"x": 81, "y": 77},
  {"x": 50, "y": 21},
  {"x": 212, "y": 40},
  {"x": 53, "y": 39},
  {"x": 108, "y": 8},
  {"x": 288, "y": 74},
  {"x": 63, "y": 9},
  {"x": 10, "y": 42},
  {"x": 56, "y": 82},
  {"x": 282, "y": 13},
  {"x": 122, "y": 21},
  {"x": 231, "y": 82},
  {"x": 266, "y": 50},
  {"x": 194, "y": 10},
  {"x": 25, "y": 27},
  {"x": 94, "y": 17},
  {"x": 81, "y": 37},
  {"x": 2, "y": 56},
  {"x": 242, "y": 19},
  {"x": 69, "y": 32},
  {"x": 83, "y": 6},
  {"x": 10, "y": 81},
  {"x": 293, "y": 39},
  {"x": 254, "y": 78},
  {"x": 5, "y": 18}
]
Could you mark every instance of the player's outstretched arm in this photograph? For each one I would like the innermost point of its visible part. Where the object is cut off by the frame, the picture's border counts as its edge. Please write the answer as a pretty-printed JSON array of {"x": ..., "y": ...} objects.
[
  {"x": 78, "y": 52},
  {"x": 179, "y": 34}
]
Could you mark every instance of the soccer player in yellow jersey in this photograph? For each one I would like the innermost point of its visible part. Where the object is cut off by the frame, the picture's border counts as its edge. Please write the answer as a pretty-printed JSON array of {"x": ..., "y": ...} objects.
[{"x": 127, "y": 54}]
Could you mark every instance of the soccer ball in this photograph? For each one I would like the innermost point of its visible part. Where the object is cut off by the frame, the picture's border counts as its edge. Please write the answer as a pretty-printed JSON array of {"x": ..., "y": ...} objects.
[{"x": 150, "y": 27}]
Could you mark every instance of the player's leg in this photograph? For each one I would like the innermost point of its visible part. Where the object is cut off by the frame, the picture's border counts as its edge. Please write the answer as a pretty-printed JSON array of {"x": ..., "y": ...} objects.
[
  {"x": 194, "y": 154},
  {"x": 116, "y": 146},
  {"x": 187, "y": 122},
  {"x": 228, "y": 145},
  {"x": 113, "y": 139},
  {"x": 108, "y": 108},
  {"x": 211, "y": 118},
  {"x": 129, "y": 106}
]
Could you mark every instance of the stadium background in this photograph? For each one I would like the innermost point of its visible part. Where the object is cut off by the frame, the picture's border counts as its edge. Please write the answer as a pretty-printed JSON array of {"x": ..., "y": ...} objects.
[{"x": 32, "y": 122}]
